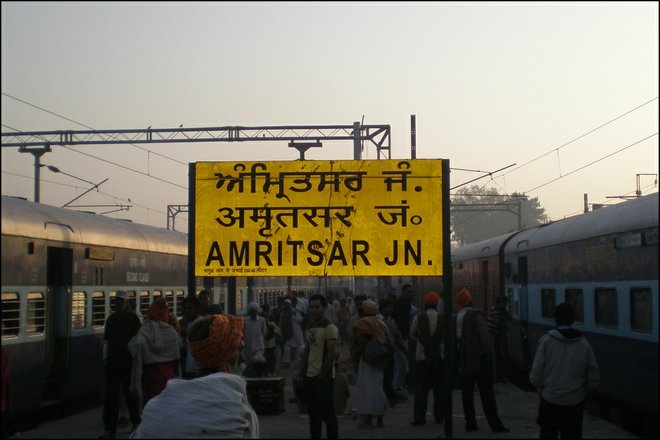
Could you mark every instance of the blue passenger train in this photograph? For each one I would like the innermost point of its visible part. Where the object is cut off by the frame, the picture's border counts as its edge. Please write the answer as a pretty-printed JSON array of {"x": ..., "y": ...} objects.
[
  {"x": 60, "y": 272},
  {"x": 605, "y": 263}
]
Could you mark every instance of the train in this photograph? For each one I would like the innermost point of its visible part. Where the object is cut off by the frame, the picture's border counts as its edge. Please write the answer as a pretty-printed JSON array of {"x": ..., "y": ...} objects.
[
  {"x": 60, "y": 272},
  {"x": 603, "y": 262}
]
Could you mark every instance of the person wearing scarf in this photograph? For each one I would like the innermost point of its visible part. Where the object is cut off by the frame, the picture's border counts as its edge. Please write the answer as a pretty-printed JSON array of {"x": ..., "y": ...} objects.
[
  {"x": 156, "y": 350},
  {"x": 371, "y": 400},
  {"x": 213, "y": 405}
]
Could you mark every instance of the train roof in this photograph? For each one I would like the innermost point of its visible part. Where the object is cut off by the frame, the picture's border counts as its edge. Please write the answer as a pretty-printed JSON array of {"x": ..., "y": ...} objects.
[
  {"x": 480, "y": 249},
  {"x": 633, "y": 215},
  {"x": 37, "y": 220}
]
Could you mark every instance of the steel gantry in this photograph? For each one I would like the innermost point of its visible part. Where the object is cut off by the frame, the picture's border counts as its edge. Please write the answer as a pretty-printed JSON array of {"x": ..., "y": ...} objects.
[
  {"x": 378, "y": 134},
  {"x": 301, "y": 137}
]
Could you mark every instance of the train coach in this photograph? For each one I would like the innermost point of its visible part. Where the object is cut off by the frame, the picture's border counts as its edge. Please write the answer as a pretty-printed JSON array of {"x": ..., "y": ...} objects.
[
  {"x": 605, "y": 263},
  {"x": 60, "y": 272}
]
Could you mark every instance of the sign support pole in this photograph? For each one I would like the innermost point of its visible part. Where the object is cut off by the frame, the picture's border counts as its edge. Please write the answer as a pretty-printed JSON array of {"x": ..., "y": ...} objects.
[{"x": 447, "y": 299}]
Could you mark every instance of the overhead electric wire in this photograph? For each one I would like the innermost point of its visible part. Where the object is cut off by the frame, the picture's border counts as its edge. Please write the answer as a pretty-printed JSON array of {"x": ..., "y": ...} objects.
[
  {"x": 592, "y": 163},
  {"x": 87, "y": 126},
  {"x": 580, "y": 137},
  {"x": 105, "y": 194}
]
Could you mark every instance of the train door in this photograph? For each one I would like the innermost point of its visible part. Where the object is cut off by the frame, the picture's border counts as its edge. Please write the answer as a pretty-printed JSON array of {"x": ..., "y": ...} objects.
[
  {"x": 59, "y": 276},
  {"x": 523, "y": 279},
  {"x": 484, "y": 282}
]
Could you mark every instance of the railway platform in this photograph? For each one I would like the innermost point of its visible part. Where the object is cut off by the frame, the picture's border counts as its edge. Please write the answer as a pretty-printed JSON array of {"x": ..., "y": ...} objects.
[{"x": 517, "y": 409}]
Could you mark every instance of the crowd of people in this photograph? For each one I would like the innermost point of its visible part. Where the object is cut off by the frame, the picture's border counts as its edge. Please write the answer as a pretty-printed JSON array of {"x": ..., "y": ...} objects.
[{"x": 187, "y": 377}]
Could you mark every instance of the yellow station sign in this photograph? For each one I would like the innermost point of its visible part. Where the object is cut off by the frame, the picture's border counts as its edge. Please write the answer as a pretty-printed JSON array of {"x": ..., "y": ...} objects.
[{"x": 316, "y": 218}]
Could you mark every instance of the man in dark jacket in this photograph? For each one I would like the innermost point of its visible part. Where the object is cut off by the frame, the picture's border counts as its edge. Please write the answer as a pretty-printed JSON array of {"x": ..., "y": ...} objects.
[
  {"x": 120, "y": 327},
  {"x": 473, "y": 355},
  {"x": 404, "y": 363}
]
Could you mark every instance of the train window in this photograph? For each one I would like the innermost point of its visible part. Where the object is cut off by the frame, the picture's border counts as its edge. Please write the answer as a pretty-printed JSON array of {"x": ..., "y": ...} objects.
[
  {"x": 36, "y": 313},
  {"x": 576, "y": 299},
  {"x": 98, "y": 309},
  {"x": 628, "y": 240},
  {"x": 606, "y": 307},
  {"x": 651, "y": 237},
  {"x": 11, "y": 308},
  {"x": 169, "y": 299},
  {"x": 548, "y": 301},
  {"x": 641, "y": 309},
  {"x": 156, "y": 293},
  {"x": 144, "y": 303},
  {"x": 179, "y": 299},
  {"x": 78, "y": 310}
]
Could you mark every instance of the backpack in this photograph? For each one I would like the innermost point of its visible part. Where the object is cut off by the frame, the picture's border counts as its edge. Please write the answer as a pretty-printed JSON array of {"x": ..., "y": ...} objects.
[{"x": 376, "y": 353}]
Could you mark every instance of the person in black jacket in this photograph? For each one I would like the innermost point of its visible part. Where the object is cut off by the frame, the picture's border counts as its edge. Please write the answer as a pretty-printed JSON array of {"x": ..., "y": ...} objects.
[
  {"x": 120, "y": 327},
  {"x": 404, "y": 363},
  {"x": 473, "y": 357},
  {"x": 427, "y": 329}
]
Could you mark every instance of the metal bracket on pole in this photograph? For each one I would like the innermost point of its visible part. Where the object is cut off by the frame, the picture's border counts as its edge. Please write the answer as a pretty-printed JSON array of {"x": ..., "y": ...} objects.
[
  {"x": 37, "y": 153},
  {"x": 172, "y": 211},
  {"x": 304, "y": 146}
]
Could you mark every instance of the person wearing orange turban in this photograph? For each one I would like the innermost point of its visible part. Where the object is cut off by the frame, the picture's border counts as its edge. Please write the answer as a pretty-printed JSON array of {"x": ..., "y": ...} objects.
[
  {"x": 474, "y": 361},
  {"x": 215, "y": 340},
  {"x": 213, "y": 405},
  {"x": 427, "y": 329}
]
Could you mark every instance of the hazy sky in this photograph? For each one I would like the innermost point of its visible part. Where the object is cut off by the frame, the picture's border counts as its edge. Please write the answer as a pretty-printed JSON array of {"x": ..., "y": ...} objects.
[{"x": 491, "y": 84}]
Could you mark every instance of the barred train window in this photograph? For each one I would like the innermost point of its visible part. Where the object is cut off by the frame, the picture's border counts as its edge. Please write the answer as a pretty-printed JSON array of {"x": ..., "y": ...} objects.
[
  {"x": 36, "y": 313},
  {"x": 606, "y": 307},
  {"x": 169, "y": 298},
  {"x": 576, "y": 299},
  {"x": 11, "y": 308},
  {"x": 179, "y": 299},
  {"x": 548, "y": 303},
  {"x": 78, "y": 312},
  {"x": 144, "y": 303},
  {"x": 98, "y": 309},
  {"x": 641, "y": 309}
]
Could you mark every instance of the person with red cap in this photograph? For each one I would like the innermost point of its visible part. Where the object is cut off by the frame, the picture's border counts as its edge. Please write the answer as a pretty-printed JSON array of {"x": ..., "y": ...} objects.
[
  {"x": 427, "y": 329},
  {"x": 473, "y": 355}
]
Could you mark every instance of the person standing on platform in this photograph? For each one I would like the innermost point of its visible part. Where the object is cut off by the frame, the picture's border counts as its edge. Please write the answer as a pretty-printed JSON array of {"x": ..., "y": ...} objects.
[
  {"x": 344, "y": 316},
  {"x": 290, "y": 320},
  {"x": 120, "y": 327},
  {"x": 358, "y": 301},
  {"x": 191, "y": 308},
  {"x": 272, "y": 342},
  {"x": 473, "y": 355},
  {"x": 386, "y": 306},
  {"x": 497, "y": 327},
  {"x": 317, "y": 371},
  {"x": 404, "y": 362},
  {"x": 564, "y": 371},
  {"x": 253, "y": 348},
  {"x": 206, "y": 306},
  {"x": 427, "y": 330},
  {"x": 156, "y": 350},
  {"x": 370, "y": 397}
]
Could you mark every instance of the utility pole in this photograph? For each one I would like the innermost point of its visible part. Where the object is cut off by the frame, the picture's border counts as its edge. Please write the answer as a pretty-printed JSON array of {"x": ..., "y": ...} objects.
[
  {"x": 37, "y": 152},
  {"x": 413, "y": 137}
]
